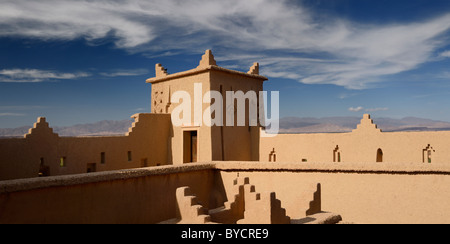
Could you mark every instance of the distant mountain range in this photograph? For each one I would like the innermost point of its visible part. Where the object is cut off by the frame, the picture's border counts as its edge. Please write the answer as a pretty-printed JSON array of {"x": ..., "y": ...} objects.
[
  {"x": 287, "y": 125},
  {"x": 102, "y": 128},
  {"x": 347, "y": 124}
]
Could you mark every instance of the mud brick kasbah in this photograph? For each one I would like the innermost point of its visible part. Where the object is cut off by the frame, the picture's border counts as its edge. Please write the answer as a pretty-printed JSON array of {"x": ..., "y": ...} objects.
[{"x": 194, "y": 173}]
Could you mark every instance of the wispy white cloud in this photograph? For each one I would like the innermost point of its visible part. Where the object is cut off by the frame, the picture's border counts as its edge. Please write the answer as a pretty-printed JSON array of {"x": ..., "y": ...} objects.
[
  {"x": 284, "y": 36},
  {"x": 356, "y": 109},
  {"x": 445, "y": 54},
  {"x": 18, "y": 110},
  {"x": 376, "y": 109},
  {"x": 360, "y": 108},
  {"x": 11, "y": 114},
  {"x": 346, "y": 95},
  {"x": 123, "y": 72},
  {"x": 35, "y": 75},
  {"x": 444, "y": 75},
  {"x": 22, "y": 107},
  {"x": 69, "y": 19}
]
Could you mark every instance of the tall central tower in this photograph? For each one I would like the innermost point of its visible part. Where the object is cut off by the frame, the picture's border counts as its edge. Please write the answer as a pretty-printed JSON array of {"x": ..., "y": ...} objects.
[{"x": 197, "y": 142}]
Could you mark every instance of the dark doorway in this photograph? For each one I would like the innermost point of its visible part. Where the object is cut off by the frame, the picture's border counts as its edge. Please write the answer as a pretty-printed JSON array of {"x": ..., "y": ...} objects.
[
  {"x": 44, "y": 170},
  {"x": 190, "y": 139}
]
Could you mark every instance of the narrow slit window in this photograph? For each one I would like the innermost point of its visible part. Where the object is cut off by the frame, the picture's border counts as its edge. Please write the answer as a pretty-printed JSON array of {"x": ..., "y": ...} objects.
[
  {"x": 337, "y": 154},
  {"x": 103, "y": 158},
  {"x": 427, "y": 153},
  {"x": 273, "y": 156},
  {"x": 130, "y": 156}
]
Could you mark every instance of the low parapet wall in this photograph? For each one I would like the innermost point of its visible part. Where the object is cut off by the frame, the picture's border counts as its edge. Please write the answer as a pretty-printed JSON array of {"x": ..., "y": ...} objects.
[
  {"x": 360, "y": 193},
  {"x": 366, "y": 143},
  {"x": 326, "y": 167},
  {"x": 144, "y": 195}
]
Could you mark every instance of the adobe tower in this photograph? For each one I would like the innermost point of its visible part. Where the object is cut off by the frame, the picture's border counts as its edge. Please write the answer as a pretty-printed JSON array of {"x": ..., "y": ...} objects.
[{"x": 195, "y": 141}]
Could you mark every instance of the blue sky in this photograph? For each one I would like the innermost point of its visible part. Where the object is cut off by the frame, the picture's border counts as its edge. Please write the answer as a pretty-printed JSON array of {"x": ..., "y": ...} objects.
[{"x": 85, "y": 61}]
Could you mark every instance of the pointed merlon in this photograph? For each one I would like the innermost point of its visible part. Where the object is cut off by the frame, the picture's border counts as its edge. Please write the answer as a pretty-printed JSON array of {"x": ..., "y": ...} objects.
[
  {"x": 41, "y": 120},
  {"x": 41, "y": 126},
  {"x": 160, "y": 71},
  {"x": 367, "y": 124},
  {"x": 207, "y": 60},
  {"x": 254, "y": 70}
]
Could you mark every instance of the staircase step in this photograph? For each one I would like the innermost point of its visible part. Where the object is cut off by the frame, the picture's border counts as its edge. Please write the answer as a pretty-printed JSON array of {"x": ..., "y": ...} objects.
[
  {"x": 206, "y": 218},
  {"x": 199, "y": 209}
]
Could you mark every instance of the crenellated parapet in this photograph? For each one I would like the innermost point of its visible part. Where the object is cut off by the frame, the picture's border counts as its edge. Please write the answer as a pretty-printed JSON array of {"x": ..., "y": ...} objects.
[{"x": 206, "y": 64}]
